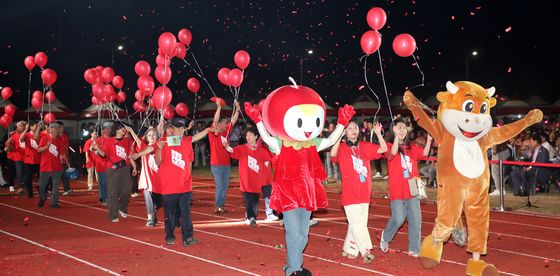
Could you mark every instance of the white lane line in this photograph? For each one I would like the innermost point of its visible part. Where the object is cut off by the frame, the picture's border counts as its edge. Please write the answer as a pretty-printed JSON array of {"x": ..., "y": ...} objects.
[
  {"x": 129, "y": 239},
  {"x": 401, "y": 233},
  {"x": 425, "y": 222},
  {"x": 60, "y": 252},
  {"x": 241, "y": 240}
]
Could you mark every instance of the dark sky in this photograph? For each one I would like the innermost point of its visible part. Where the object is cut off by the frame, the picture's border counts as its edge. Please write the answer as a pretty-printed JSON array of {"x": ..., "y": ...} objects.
[{"x": 513, "y": 39}]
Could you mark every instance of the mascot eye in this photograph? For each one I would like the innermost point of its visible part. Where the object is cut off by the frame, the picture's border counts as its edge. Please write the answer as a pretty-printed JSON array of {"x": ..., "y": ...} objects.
[
  {"x": 468, "y": 106},
  {"x": 483, "y": 108},
  {"x": 318, "y": 122},
  {"x": 299, "y": 123}
]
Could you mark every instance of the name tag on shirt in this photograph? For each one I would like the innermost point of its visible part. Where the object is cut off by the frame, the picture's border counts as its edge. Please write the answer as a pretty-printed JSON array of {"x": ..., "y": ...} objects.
[{"x": 173, "y": 140}]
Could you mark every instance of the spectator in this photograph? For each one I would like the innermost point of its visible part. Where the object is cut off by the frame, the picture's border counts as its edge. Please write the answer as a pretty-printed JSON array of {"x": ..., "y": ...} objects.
[{"x": 529, "y": 178}]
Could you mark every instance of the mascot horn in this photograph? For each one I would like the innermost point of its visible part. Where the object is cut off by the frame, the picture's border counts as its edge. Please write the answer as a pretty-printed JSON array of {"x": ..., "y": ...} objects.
[{"x": 464, "y": 133}]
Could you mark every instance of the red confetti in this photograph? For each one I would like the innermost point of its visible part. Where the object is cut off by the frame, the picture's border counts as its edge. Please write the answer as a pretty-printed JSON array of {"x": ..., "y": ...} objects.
[
  {"x": 361, "y": 87},
  {"x": 328, "y": 232},
  {"x": 508, "y": 29},
  {"x": 453, "y": 17},
  {"x": 124, "y": 18},
  {"x": 509, "y": 69}
]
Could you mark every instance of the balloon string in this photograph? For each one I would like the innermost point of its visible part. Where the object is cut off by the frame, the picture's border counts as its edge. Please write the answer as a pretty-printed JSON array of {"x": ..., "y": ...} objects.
[
  {"x": 421, "y": 73},
  {"x": 29, "y": 95},
  {"x": 201, "y": 72},
  {"x": 364, "y": 57},
  {"x": 384, "y": 84},
  {"x": 194, "y": 109}
]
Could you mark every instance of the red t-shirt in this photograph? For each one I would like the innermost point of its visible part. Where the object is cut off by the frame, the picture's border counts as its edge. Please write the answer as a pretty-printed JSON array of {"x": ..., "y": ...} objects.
[
  {"x": 101, "y": 164},
  {"x": 355, "y": 169},
  {"x": 218, "y": 154},
  {"x": 31, "y": 156},
  {"x": 50, "y": 159},
  {"x": 251, "y": 166},
  {"x": 147, "y": 179},
  {"x": 174, "y": 171},
  {"x": 117, "y": 150},
  {"x": 398, "y": 183},
  {"x": 88, "y": 153},
  {"x": 266, "y": 175},
  {"x": 17, "y": 152},
  {"x": 64, "y": 138}
]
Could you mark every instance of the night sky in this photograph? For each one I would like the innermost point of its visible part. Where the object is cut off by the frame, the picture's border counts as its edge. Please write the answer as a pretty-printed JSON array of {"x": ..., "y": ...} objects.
[{"x": 513, "y": 40}]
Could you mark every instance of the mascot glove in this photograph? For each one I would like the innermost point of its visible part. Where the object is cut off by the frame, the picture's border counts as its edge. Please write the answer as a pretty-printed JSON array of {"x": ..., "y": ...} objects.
[
  {"x": 253, "y": 112},
  {"x": 534, "y": 116},
  {"x": 218, "y": 100},
  {"x": 345, "y": 114}
]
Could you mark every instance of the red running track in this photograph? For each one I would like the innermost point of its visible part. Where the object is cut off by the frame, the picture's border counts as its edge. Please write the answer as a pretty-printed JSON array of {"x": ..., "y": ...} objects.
[{"x": 78, "y": 239}]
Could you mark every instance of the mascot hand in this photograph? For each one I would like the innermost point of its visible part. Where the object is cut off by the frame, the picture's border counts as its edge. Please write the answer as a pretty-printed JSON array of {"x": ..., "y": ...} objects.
[
  {"x": 534, "y": 116},
  {"x": 345, "y": 114},
  {"x": 253, "y": 112},
  {"x": 409, "y": 99}
]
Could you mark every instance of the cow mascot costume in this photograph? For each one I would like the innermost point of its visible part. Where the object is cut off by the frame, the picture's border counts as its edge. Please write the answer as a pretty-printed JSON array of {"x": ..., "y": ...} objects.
[
  {"x": 292, "y": 118},
  {"x": 464, "y": 133}
]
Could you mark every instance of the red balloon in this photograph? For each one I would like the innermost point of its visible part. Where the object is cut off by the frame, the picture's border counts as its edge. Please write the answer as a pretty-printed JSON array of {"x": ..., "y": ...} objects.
[
  {"x": 10, "y": 110},
  {"x": 235, "y": 77},
  {"x": 151, "y": 103},
  {"x": 166, "y": 43},
  {"x": 138, "y": 95},
  {"x": 41, "y": 59},
  {"x": 95, "y": 101},
  {"x": 37, "y": 94},
  {"x": 242, "y": 59},
  {"x": 163, "y": 60},
  {"x": 180, "y": 50},
  {"x": 404, "y": 45},
  {"x": 193, "y": 85},
  {"x": 99, "y": 90},
  {"x": 182, "y": 109},
  {"x": 118, "y": 82},
  {"x": 48, "y": 76},
  {"x": 49, "y": 118},
  {"x": 37, "y": 103},
  {"x": 29, "y": 62},
  {"x": 138, "y": 106},
  {"x": 370, "y": 42},
  {"x": 162, "y": 97},
  {"x": 50, "y": 96},
  {"x": 110, "y": 93},
  {"x": 185, "y": 36},
  {"x": 5, "y": 120},
  {"x": 223, "y": 76},
  {"x": 7, "y": 93},
  {"x": 376, "y": 18},
  {"x": 142, "y": 68},
  {"x": 121, "y": 97},
  {"x": 163, "y": 74},
  {"x": 90, "y": 75},
  {"x": 168, "y": 112},
  {"x": 146, "y": 84},
  {"x": 107, "y": 74}
]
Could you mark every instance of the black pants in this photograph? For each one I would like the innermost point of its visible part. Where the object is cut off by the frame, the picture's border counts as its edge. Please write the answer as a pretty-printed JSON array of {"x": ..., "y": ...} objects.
[
  {"x": 65, "y": 181},
  {"x": 28, "y": 171},
  {"x": 170, "y": 203},
  {"x": 135, "y": 184},
  {"x": 119, "y": 184},
  {"x": 251, "y": 204},
  {"x": 12, "y": 172},
  {"x": 377, "y": 164}
]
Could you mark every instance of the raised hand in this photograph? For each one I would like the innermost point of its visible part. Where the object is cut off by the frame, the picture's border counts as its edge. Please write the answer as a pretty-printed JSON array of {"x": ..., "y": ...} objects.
[
  {"x": 345, "y": 114},
  {"x": 253, "y": 112}
]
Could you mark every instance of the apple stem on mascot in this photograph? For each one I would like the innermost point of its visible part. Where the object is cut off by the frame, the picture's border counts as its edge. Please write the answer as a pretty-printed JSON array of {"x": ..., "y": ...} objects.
[
  {"x": 293, "y": 117},
  {"x": 464, "y": 133}
]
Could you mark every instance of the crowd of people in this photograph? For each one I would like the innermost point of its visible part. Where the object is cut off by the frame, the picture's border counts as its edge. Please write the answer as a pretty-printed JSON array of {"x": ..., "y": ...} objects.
[{"x": 117, "y": 159}]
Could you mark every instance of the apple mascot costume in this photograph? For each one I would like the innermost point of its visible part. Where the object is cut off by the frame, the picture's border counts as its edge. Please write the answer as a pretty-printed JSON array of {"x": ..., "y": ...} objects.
[
  {"x": 464, "y": 133},
  {"x": 292, "y": 118}
]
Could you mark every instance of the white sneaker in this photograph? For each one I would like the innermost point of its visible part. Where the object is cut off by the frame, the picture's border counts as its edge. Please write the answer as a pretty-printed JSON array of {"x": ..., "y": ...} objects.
[
  {"x": 313, "y": 222},
  {"x": 115, "y": 220},
  {"x": 385, "y": 177},
  {"x": 12, "y": 189},
  {"x": 90, "y": 188},
  {"x": 495, "y": 193},
  {"x": 271, "y": 218},
  {"x": 383, "y": 245},
  {"x": 134, "y": 195},
  {"x": 281, "y": 222},
  {"x": 377, "y": 175},
  {"x": 247, "y": 221},
  {"x": 123, "y": 214}
]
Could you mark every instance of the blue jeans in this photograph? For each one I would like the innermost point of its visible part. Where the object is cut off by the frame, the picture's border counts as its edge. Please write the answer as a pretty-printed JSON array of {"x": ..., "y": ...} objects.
[
  {"x": 102, "y": 181},
  {"x": 401, "y": 210},
  {"x": 296, "y": 223},
  {"x": 170, "y": 202},
  {"x": 221, "y": 177}
]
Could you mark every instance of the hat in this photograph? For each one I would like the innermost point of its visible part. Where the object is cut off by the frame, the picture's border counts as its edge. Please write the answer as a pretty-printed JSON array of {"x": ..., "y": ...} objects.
[
  {"x": 54, "y": 125},
  {"x": 178, "y": 122},
  {"x": 108, "y": 124}
]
